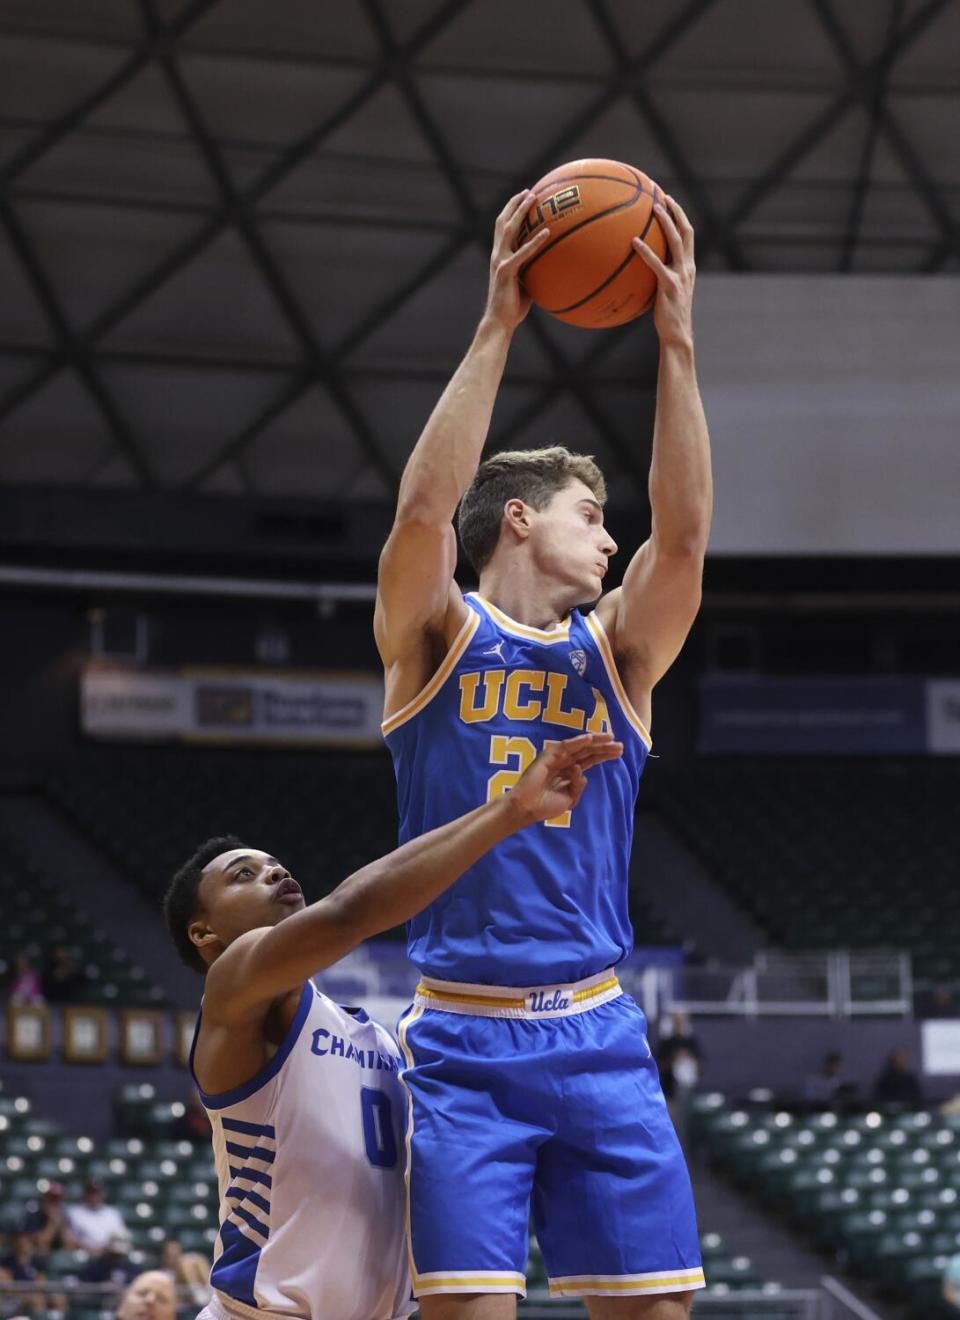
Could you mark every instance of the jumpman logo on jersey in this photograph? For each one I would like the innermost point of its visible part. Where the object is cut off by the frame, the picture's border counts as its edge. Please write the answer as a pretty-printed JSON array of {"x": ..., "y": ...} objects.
[{"x": 495, "y": 650}]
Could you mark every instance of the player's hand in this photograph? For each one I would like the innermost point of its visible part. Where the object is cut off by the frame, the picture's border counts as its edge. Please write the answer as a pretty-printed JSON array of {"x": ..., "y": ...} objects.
[
  {"x": 673, "y": 308},
  {"x": 507, "y": 304},
  {"x": 555, "y": 782}
]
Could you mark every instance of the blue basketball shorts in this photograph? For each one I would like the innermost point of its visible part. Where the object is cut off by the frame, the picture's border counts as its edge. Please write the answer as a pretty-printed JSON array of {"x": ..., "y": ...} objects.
[{"x": 546, "y": 1097}]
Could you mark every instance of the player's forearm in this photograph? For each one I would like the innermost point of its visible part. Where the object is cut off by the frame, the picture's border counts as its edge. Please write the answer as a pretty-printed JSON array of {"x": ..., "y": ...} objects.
[
  {"x": 448, "y": 452},
  {"x": 681, "y": 483},
  {"x": 375, "y": 899},
  {"x": 395, "y": 888}
]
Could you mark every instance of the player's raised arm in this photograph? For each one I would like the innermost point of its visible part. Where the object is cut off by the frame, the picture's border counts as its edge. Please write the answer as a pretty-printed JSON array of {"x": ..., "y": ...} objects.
[
  {"x": 650, "y": 615},
  {"x": 261, "y": 965},
  {"x": 415, "y": 581}
]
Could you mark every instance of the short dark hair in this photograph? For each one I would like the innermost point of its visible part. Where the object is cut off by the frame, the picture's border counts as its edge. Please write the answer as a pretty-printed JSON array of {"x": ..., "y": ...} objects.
[
  {"x": 531, "y": 475},
  {"x": 182, "y": 899}
]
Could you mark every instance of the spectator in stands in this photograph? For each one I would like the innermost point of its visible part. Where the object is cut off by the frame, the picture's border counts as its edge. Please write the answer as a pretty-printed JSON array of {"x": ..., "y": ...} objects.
[
  {"x": 112, "y": 1265},
  {"x": 150, "y": 1296},
  {"x": 679, "y": 1057},
  {"x": 186, "y": 1269},
  {"x": 19, "y": 1266},
  {"x": 828, "y": 1089},
  {"x": 48, "y": 1224},
  {"x": 63, "y": 977},
  {"x": 951, "y": 1283},
  {"x": 194, "y": 1125},
  {"x": 897, "y": 1084},
  {"x": 24, "y": 987},
  {"x": 93, "y": 1222}
]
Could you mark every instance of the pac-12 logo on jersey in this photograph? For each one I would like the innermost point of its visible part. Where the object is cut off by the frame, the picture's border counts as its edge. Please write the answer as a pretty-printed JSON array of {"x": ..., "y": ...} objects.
[{"x": 579, "y": 661}]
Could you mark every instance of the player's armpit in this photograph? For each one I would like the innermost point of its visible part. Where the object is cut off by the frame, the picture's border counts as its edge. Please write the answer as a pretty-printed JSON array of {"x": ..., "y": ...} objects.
[
  {"x": 416, "y": 592},
  {"x": 649, "y": 616}
]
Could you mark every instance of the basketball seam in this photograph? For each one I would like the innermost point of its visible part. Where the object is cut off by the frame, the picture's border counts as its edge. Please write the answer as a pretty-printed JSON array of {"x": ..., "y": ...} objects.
[
  {"x": 560, "y": 311},
  {"x": 621, "y": 206}
]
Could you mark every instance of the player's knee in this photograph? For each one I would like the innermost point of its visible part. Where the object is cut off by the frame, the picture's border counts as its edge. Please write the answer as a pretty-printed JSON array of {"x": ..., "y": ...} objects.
[{"x": 668, "y": 1306}]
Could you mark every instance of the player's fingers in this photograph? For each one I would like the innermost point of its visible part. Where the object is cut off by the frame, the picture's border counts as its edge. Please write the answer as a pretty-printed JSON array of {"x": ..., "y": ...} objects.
[
  {"x": 682, "y": 221},
  {"x": 526, "y": 250},
  {"x": 598, "y": 758},
  {"x": 670, "y": 232},
  {"x": 648, "y": 255},
  {"x": 517, "y": 204}
]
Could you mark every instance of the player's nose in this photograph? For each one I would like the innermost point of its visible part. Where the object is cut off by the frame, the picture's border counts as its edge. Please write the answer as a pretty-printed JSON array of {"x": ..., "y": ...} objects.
[{"x": 609, "y": 546}]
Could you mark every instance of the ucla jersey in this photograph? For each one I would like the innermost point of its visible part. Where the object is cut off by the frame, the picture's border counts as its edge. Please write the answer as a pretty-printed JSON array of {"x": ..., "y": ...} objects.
[
  {"x": 310, "y": 1177},
  {"x": 548, "y": 904}
]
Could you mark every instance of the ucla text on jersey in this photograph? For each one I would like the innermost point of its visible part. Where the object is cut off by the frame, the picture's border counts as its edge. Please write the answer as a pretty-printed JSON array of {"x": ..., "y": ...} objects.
[{"x": 547, "y": 905}]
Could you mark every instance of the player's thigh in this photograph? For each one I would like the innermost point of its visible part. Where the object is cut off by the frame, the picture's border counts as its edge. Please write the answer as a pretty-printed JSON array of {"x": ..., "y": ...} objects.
[
  {"x": 471, "y": 1160},
  {"x": 671, "y": 1306},
  {"x": 613, "y": 1205}
]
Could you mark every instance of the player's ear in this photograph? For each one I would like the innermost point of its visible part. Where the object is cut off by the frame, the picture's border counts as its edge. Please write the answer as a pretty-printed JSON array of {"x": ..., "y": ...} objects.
[
  {"x": 200, "y": 934},
  {"x": 516, "y": 515}
]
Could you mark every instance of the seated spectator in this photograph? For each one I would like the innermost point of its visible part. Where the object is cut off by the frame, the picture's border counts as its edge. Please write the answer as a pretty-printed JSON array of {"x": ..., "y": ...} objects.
[
  {"x": 19, "y": 1266},
  {"x": 679, "y": 1057},
  {"x": 24, "y": 987},
  {"x": 897, "y": 1084},
  {"x": 194, "y": 1125},
  {"x": 828, "y": 1088},
  {"x": 951, "y": 1283},
  {"x": 112, "y": 1265},
  {"x": 48, "y": 1225},
  {"x": 63, "y": 978},
  {"x": 93, "y": 1223},
  {"x": 186, "y": 1269},
  {"x": 150, "y": 1296}
]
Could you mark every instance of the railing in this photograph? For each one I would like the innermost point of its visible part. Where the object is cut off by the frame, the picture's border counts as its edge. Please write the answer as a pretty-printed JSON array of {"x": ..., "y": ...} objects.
[{"x": 838, "y": 985}]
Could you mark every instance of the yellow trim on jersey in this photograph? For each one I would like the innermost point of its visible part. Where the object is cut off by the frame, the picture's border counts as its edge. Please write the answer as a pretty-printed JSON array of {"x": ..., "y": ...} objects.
[
  {"x": 460, "y": 643},
  {"x": 599, "y": 1284},
  {"x": 559, "y": 634},
  {"x": 499, "y": 1001},
  {"x": 592, "y": 990},
  {"x": 478, "y": 1282},
  {"x": 412, "y": 1016},
  {"x": 606, "y": 655},
  {"x": 450, "y": 997}
]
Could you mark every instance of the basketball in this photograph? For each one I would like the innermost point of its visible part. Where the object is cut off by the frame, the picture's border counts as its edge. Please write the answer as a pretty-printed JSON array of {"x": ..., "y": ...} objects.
[{"x": 587, "y": 272}]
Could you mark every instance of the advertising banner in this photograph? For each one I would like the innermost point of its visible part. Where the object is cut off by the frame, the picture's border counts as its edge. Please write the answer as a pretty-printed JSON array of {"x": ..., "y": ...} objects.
[
  {"x": 231, "y": 706},
  {"x": 813, "y": 716}
]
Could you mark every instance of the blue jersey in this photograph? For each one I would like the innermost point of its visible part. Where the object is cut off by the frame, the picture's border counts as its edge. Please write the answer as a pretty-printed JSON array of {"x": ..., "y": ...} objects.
[{"x": 548, "y": 904}]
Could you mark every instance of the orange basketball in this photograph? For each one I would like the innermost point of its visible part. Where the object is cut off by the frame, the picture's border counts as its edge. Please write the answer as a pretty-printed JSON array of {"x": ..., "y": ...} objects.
[{"x": 587, "y": 273}]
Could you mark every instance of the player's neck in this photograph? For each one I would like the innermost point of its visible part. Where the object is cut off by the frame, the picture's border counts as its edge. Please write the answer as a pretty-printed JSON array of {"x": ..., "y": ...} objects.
[{"x": 524, "y": 595}]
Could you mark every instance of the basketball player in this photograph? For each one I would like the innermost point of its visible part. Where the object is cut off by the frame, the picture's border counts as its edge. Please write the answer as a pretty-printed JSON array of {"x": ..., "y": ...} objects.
[
  {"x": 528, "y": 1069},
  {"x": 302, "y": 1094}
]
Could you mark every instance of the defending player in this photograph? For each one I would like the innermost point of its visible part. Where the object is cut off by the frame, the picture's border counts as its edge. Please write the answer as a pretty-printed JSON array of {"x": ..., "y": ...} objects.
[
  {"x": 528, "y": 1069},
  {"x": 302, "y": 1094}
]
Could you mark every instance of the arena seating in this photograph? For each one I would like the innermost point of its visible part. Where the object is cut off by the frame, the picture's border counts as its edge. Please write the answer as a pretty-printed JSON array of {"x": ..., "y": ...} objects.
[
  {"x": 165, "y": 1187},
  {"x": 878, "y": 1192},
  {"x": 38, "y": 918},
  {"x": 832, "y": 854}
]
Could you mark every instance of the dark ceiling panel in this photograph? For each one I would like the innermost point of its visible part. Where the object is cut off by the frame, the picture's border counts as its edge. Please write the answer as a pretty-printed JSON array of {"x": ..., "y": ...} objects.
[{"x": 257, "y": 232}]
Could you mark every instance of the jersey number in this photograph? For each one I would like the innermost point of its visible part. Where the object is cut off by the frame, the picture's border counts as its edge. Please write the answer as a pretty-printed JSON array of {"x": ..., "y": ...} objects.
[
  {"x": 378, "y": 1133},
  {"x": 517, "y": 753}
]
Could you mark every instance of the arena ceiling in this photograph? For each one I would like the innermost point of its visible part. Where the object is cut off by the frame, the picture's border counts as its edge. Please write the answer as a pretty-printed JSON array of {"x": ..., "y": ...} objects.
[{"x": 242, "y": 246}]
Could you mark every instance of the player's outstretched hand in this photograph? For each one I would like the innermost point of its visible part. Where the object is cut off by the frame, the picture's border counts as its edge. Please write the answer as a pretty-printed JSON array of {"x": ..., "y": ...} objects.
[
  {"x": 507, "y": 304},
  {"x": 673, "y": 309},
  {"x": 555, "y": 781}
]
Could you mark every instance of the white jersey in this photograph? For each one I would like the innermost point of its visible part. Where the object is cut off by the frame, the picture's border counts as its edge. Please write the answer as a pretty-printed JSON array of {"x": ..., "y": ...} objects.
[{"x": 309, "y": 1157}]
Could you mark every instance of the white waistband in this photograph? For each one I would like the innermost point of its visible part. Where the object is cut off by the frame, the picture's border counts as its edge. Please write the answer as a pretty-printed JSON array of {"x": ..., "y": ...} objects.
[{"x": 514, "y": 1001}]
